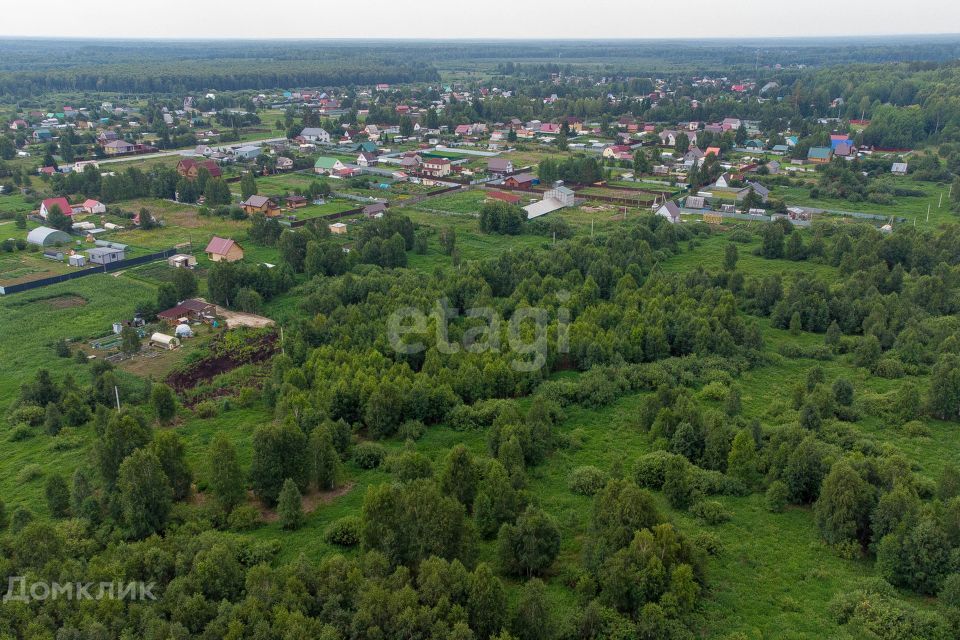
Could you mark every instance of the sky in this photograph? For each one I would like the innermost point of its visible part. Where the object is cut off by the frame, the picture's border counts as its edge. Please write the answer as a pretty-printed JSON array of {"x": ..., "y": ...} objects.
[{"x": 442, "y": 19}]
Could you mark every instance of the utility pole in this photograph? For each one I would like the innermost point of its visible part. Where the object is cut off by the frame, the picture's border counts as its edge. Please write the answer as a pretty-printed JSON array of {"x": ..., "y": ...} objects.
[
  {"x": 940, "y": 204},
  {"x": 116, "y": 392},
  {"x": 928, "y": 212}
]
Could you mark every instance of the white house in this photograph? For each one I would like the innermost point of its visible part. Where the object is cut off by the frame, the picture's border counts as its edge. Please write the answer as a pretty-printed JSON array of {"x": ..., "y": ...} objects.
[
  {"x": 670, "y": 211},
  {"x": 315, "y": 134}
]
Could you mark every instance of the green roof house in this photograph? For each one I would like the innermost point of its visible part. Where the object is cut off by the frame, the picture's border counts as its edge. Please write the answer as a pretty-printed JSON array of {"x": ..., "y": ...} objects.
[
  {"x": 819, "y": 155},
  {"x": 327, "y": 165}
]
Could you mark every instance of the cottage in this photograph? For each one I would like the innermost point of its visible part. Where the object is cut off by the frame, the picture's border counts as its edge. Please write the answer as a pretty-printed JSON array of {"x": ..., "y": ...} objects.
[
  {"x": 190, "y": 168},
  {"x": 436, "y": 167},
  {"x": 375, "y": 210},
  {"x": 190, "y": 309},
  {"x": 521, "y": 181},
  {"x": 670, "y": 211},
  {"x": 499, "y": 166},
  {"x": 247, "y": 152},
  {"x": 118, "y": 147},
  {"x": 725, "y": 181},
  {"x": 819, "y": 155},
  {"x": 295, "y": 202},
  {"x": 223, "y": 250},
  {"x": 61, "y": 203},
  {"x": 105, "y": 255},
  {"x": 366, "y": 159},
  {"x": 94, "y": 206},
  {"x": 327, "y": 165},
  {"x": 260, "y": 204},
  {"x": 757, "y": 188},
  {"x": 284, "y": 163},
  {"x": 315, "y": 134}
]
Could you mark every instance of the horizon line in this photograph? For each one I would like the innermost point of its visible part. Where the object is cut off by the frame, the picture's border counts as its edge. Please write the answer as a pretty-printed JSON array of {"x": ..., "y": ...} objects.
[{"x": 281, "y": 38}]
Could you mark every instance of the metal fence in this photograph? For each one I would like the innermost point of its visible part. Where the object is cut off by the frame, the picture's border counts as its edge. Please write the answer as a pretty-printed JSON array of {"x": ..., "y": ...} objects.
[{"x": 89, "y": 271}]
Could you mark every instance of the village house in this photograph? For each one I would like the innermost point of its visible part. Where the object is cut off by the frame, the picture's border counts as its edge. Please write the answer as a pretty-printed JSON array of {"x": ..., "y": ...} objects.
[
  {"x": 284, "y": 163},
  {"x": 192, "y": 309},
  {"x": 499, "y": 166},
  {"x": 118, "y": 147},
  {"x": 670, "y": 211},
  {"x": 295, "y": 202},
  {"x": 521, "y": 181},
  {"x": 326, "y": 165},
  {"x": 436, "y": 167},
  {"x": 366, "y": 159},
  {"x": 94, "y": 206},
  {"x": 189, "y": 168},
  {"x": 315, "y": 134},
  {"x": 260, "y": 204},
  {"x": 819, "y": 155},
  {"x": 375, "y": 210},
  {"x": 223, "y": 250},
  {"x": 61, "y": 203}
]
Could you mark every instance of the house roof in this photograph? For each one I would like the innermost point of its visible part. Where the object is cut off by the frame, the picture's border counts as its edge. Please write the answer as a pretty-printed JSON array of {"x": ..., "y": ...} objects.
[
  {"x": 376, "y": 207},
  {"x": 313, "y": 132},
  {"x": 210, "y": 165},
  {"x": 256, "y": 201},
  {"x": 819, "y": 153},
  {"x": 220, "y": 246},
  {"x": 671, "y": 208},
  {"x": 523, "y": 177},
  {"x": 498, "y": 164},
  {"x": 90, "y": 203},
  {"x": 61, "y": 202},
  {"x": 324, "y": 162}
]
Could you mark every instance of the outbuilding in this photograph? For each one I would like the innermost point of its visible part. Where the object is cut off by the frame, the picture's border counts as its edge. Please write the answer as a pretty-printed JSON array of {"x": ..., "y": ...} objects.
[
  {"x": 164, "y": 341},
  {"x": 47, "y": 237}
]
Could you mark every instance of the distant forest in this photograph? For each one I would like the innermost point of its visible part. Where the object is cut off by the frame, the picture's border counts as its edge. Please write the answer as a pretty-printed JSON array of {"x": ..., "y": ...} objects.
[{"x": 31, "y": 67}]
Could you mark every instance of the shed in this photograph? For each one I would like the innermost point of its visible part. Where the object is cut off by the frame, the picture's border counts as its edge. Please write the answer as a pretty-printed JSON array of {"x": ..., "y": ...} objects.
[
  {"x": 77, "y": 260},
  {"x": 338, "y": 228},
  {"x": 163, "y": 340},
  {"x": 183, "y": 331},
  {"x": 105, "y": 255},
  {"x": 182, "y": 260},
  {"x": 46, "y": 236}
]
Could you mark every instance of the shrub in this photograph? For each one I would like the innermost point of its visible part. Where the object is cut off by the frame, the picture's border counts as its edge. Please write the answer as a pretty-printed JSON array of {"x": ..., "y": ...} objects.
[
  {"x": 20, "y": 433},
  {"x": 709, "y": 543},
  {"x": 244, "y": 518},
  {"x": 411, "y": 430},
  {"x": 369, "y": 455},
  {"x": 344, "y": 532},
  {"x": 916, "y": 429},
  {"x": 710, "y": 511},
  {"x": 29, "y": 473},
  {"x": 207, "y": 409},
  {"x": 715, "y": 391},
  {"x": 777, "y": 496},
  {"x": 29, "y": 414},
  {"x": 247, "y": 397},
  {"x": 588, "y": 480},
  {"x": 649, "y": 468}
]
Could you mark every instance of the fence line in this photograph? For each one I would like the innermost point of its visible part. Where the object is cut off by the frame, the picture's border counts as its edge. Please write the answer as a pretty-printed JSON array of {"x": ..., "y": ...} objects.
[{"x": 73, "y": 275}]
